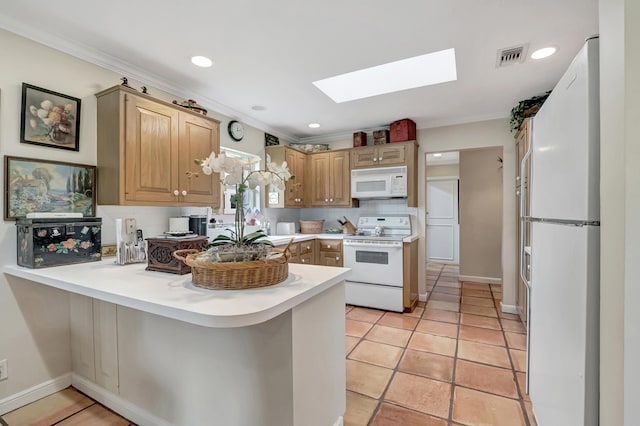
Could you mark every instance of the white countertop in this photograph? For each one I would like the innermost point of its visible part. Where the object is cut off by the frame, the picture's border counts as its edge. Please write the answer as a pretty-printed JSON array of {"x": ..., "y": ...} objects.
[{"x": 174, "y": 296}]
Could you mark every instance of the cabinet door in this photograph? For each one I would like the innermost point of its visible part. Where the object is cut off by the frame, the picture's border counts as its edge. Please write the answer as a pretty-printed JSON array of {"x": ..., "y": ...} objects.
[
  {"x": 340, "y": 174},
  {"x": 294, "y": 191},
  {"x": 106, "y": 344},
  {"x": 364, "y": 157},
  {"x": 320, "y": 179},
  {"x": 151, "y": 144},
  {"x": 198, "y": 137},
  {"x": 328, "y": 258},
  {"x": 390, "y": 155}
]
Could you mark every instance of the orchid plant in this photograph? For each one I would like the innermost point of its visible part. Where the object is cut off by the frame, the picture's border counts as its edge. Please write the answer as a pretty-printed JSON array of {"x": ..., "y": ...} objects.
[{"x": 234, "y": 171}]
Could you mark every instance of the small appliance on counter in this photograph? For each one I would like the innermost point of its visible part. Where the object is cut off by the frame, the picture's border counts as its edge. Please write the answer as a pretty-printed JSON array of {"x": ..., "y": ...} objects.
[
  {"x": 285, "y": 228},
  {"x": 61, "y": 240}
]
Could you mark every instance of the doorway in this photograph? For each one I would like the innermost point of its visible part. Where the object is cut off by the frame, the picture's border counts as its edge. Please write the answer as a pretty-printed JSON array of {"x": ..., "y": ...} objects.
[{"x": 442, "y": 218}]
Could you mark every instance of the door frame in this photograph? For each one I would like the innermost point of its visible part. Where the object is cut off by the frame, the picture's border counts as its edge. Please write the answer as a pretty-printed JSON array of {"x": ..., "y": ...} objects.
[{"x": 426, "y": 217}]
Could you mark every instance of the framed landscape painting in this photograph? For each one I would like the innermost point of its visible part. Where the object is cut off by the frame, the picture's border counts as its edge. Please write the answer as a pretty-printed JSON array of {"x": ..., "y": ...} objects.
[
  {"x": 49, "y": 118},
  {"x": 32, "y": 185}
]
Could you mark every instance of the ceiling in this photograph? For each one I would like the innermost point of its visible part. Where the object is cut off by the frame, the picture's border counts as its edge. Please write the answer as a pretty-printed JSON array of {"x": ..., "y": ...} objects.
[{"x": 268, "y": 53}]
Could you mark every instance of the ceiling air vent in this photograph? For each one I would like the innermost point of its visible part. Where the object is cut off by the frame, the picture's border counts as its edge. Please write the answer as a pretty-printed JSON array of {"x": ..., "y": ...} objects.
[{"x": 511, "y": 55}]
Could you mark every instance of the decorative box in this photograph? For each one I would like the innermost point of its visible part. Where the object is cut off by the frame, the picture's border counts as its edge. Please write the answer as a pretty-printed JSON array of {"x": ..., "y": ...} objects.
[
  {"x": 55, "y": 242},
  {"x": 359, "y": 139},
  {"x": 402, "y": 130},
  {"x": 380, "y": 137},
  {"x": 160, "y": 253}
]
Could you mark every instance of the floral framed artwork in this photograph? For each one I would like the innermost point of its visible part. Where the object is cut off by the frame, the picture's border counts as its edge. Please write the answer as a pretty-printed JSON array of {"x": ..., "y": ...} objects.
[
  {"x": 49, "y": 118},
  {"x": 32, "y": 185}
]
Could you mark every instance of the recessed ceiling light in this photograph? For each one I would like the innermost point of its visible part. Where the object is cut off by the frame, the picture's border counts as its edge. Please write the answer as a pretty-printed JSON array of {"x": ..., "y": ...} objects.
[
  {"x": 314, "y": 125},
  {"x": 202, "y": 61},
  {"x": 437, "y": 154},
  {"x": 423, "y": 70},
  {"x": 258, "y": 108},
  {"x": 543, "y": 53}
]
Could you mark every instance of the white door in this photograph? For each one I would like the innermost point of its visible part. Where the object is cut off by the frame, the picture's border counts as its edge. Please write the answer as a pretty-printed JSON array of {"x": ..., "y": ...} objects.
[{"x": 443, "y": 228}]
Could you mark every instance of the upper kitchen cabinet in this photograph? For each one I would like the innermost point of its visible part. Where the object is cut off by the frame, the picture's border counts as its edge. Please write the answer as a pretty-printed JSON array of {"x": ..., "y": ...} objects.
[
  {"x": 294, "y": 193},
  {"x": 330, "y": 179},
  {"x": 395, "y": 154},
  {"x": 145, "y": 148}
]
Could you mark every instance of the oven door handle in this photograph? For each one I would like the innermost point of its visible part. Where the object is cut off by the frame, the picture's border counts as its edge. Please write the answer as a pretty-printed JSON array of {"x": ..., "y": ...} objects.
[{"x": 381, "y": 244}]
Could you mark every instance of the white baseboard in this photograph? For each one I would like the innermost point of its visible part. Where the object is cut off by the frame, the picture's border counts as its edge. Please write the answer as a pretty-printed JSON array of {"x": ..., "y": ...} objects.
[
  {"x": 509, "y": 309},
  {"x": 339, "y": 422},
  {"x": 116, "y": 403},
  {"x": 485, "y": 280},
  {"x": 34, "y": 393},
  {"x": 422, "y": 297}
]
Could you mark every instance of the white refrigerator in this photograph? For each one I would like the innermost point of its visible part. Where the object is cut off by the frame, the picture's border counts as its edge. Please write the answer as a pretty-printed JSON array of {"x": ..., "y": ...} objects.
[{"x": 565, "y": 248}]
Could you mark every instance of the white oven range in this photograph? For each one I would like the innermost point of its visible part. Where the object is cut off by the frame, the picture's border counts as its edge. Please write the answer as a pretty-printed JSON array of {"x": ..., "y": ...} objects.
[{"x": 375, "y": 258}]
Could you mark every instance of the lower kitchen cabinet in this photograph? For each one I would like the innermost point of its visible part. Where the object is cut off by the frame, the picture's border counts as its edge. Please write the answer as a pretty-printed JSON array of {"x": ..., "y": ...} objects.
[
  {"x": 330, "y": 253},
  {"x": 94, "y": 341},
  {"x": 410, "y": 275}
]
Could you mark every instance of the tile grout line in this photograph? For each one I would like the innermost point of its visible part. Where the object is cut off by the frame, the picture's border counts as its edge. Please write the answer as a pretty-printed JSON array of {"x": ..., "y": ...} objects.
[{"x": 513, "y": 369}]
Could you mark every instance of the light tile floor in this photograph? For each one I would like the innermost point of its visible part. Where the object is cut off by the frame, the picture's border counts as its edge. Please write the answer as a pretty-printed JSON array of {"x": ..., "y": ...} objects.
[
  {"x": 65, "y": 408},
  {"x": 456, "y": 360}
]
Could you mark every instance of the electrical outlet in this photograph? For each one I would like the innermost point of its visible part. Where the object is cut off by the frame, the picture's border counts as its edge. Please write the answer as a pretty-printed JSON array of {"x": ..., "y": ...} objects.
[{"x": 4, "y": 372}]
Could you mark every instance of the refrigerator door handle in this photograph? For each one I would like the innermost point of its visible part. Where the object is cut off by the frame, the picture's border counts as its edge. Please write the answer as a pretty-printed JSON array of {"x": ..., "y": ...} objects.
[{"x": 524, "y": 182}]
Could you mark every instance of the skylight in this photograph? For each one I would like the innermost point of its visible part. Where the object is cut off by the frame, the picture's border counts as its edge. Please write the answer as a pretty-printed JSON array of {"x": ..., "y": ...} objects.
[{"x": 423, "y": 70}]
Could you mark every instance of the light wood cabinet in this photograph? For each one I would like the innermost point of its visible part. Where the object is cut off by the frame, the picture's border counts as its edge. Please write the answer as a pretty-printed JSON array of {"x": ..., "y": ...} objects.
[
  {"x": 302, "y": 252},
  {"x": 410, "y": 276},
  {"x": 293, "y": 195},
  {"x": 145, "y": 148},
  {"x": 330, "y": 179},
  {"x": 523, "y": 139},
  {"x": 329, "y": 252},
  {"x": 381, "y": 155}
]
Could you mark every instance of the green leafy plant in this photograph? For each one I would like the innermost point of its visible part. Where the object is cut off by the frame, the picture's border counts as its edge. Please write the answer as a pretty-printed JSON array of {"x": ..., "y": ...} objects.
[{"x": 526, "y": 108}]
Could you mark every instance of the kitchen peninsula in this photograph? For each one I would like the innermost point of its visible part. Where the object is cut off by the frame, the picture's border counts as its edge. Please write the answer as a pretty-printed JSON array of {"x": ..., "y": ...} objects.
[{"x": 160, "y": 351}]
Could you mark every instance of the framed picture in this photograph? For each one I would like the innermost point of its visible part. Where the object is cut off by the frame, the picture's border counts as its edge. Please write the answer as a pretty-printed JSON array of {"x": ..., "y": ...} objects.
[
  {"x": 49, "y": 118},
  {"x": 270, "y": 140},
  {"x": 32, "y": 185}
]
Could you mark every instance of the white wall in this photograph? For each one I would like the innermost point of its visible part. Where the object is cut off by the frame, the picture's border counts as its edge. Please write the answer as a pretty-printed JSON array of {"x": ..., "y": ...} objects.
[
  {"x": 620, "y": 210},
  {"x": 34, "y": 321}
]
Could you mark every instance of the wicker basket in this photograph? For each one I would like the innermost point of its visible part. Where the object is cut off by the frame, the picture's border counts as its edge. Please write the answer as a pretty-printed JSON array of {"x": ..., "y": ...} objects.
[
  {"x": 235, "y": 275},
  {"x": 311, "y": 226}
]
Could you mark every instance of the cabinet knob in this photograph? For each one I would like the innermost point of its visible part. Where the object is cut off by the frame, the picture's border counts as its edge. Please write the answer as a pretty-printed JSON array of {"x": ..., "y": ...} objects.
[
  {"x": 337, "y": 257},
  {"x": 380, "y": 159},
  {"x": 328, "y": 246},
  {"x": 184, "y": 193},
  {"x": 517, "y": 192},
  {"x": 308, "y": 247},
  {"x": 375, "y": 159},
  {"x": 176, "y": 192},
  {"x": 326, "y": 200},
  {"x": 517, "y": 177},
  {"x": 303, "y": 260},
  {"x": 331, "y": 200}
]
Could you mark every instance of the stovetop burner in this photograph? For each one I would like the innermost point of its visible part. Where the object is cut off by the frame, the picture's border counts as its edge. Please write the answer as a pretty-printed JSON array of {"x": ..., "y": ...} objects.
[{"x": 382, "y": 228}]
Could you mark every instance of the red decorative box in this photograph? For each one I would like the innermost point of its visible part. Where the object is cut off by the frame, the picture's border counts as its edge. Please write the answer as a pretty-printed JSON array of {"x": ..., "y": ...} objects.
[
  {"x": 380, "y": 137},
  {"x": 359, "y": 139},
  {"x": 402, "y": 130}
]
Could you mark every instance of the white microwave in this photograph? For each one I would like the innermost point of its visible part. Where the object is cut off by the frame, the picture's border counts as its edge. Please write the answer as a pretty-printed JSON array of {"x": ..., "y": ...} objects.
[{"x": 379, "y": 182}]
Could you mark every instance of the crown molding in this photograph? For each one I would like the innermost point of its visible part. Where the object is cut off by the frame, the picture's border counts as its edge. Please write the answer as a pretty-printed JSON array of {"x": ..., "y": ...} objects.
[{"x": 86, "y": 53}]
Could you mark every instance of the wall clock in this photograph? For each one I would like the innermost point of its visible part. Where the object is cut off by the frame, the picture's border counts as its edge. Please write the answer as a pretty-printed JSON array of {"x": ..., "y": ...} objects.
[{"x": 236, "y": 130}]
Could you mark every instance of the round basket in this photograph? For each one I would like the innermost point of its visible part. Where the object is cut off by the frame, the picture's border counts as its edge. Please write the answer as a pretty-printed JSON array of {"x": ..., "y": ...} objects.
[{"x": 235, "y": 275}]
